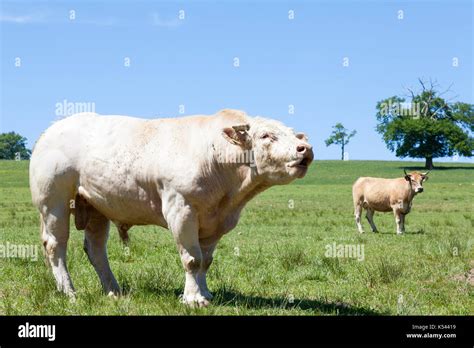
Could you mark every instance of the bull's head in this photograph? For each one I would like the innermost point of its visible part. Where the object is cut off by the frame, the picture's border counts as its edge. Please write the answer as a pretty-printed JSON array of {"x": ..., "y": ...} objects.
[
  {"x": 280, "y": 154},
  {"x": 416, "y": 180}
]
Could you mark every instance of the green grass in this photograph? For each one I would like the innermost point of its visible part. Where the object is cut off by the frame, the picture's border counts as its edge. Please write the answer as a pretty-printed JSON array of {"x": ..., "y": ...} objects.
[{"x": 274, "y": 262}]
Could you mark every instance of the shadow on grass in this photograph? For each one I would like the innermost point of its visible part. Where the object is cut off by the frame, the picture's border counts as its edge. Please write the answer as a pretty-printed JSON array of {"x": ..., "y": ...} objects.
[
  {"x": 229, "y": 297},
  {"x": 393, "y": 233},
  {"x": 233, "y": 298},
  {"x": 436, "y": 168},
  {"x": 417, "y": 231}
]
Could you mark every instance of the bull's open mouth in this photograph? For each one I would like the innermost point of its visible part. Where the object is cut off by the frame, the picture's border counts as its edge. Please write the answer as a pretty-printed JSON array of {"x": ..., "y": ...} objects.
[
  {"x": 304, "y": 162},
  {"x": 300, "y": 163}
]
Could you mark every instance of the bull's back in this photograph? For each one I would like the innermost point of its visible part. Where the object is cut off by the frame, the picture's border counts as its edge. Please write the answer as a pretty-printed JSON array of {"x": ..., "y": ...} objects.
[
  {"x": 358, "y": 189},
  {"x": 53, "y": 161},
  {"x": 118, "y": 162},
  {"x": 60, "y": 154},
  {"x": 373, "y": 193}
]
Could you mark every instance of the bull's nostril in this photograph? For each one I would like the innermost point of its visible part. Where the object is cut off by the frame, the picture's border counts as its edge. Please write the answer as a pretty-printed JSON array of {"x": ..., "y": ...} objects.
[{"x": 301, "y": 149}]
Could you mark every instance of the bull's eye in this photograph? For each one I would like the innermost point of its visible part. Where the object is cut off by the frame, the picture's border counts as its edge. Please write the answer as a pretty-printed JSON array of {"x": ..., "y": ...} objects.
[{"x": 268, "y": 136}]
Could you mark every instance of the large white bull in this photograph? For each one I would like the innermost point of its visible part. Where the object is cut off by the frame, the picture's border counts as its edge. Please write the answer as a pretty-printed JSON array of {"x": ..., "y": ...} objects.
[{"x": 192, "y": 175}]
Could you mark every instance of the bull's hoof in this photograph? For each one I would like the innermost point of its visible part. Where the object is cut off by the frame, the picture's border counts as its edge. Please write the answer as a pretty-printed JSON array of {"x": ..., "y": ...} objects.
[
  {"x": 68, "y": 291},
  {"x": 195, "y": 301},
  {"x": 207, "y": 295},
  {"x": 114, "y": 295},
  {"x": 72, "y": 297}
]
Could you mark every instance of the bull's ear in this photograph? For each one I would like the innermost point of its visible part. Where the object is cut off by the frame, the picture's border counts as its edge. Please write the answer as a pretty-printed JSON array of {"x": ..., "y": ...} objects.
[
  {"x": 237, "y": 135},
  {"x": 302, "y": 136},
  {"x": 425, "y": 177},
  {"x": 407, "y": 176}
]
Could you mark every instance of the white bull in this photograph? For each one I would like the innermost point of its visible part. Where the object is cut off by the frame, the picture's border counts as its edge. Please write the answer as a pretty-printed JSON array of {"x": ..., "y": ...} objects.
[{"x": 192, "y": 175}]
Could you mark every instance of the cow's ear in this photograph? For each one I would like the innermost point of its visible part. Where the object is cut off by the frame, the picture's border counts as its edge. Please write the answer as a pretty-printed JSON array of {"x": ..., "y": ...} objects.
[
  {"x": 408, "y": 177},
  {"x": 237, "y": 135},
  {"x": 425, "y": 177},
  {"x": 302, "y": 136}
]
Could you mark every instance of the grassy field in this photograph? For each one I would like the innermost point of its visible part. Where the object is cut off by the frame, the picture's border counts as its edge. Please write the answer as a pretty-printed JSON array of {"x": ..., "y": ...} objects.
[{"x": 274, "y": 262}]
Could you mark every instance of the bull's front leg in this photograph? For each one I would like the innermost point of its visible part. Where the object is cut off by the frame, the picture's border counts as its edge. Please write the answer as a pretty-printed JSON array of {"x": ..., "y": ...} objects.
[
  {"x": 400, "y": 220},
  {"x": 183, "y": 222},
  {"x": 207, "y": 248}
]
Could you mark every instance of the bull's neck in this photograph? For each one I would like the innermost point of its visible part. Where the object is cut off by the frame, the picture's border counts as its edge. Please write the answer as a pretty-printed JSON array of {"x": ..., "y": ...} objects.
[
  {"x": 238, "y": 182},
  {"x": 411, "y": 192},
  {"x": 250, "y": 184},
  {"x": 245, "y": 185}
]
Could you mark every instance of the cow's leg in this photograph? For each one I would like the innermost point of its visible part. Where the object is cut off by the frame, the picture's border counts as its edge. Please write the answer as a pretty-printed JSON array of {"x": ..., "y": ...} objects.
[
  {"x": 399, "y": 220},
  {"x": 183, "y": 223},
  {"x": 207, "y": 250},
  {"x": 402, "y": 217},
  {"x": 370, "y": 218},
  {"x": 95, "y": 246},
  {"x": 357, "y": 213},
  {"x": 55, "y": 235}
]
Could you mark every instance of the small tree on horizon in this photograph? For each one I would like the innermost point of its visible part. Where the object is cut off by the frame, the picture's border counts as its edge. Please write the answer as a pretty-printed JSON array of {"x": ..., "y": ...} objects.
[
  {"x": 12, "y": 143},
  {"x": 340, "y": 136}
]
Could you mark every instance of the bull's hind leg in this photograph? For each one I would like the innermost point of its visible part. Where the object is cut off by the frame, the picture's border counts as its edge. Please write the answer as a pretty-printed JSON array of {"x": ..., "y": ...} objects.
[
  {"x": 95, "y": 246},
  {"x": 370, "y": 218},
  {"x": 357, "y": 213},
  {"x": 55, "y": 235}
]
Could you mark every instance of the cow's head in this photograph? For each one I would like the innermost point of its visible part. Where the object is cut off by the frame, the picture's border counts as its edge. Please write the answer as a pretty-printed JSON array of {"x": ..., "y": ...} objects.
[
  {"x": 416, "y": 180},
  {"x": 280, "y": 154}
]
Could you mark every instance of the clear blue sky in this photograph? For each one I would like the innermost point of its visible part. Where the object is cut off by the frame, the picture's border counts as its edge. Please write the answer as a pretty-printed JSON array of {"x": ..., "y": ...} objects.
[{"x": 190, "y": 62}]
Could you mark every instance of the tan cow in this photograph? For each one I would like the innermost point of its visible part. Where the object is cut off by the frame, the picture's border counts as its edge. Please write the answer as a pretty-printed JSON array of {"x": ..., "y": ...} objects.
[
  {"x": 192, "y": 175},
  {"x": 378, "y": 194}
]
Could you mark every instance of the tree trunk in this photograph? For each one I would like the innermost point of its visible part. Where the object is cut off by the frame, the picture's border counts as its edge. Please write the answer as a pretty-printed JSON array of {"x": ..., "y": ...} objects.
[
  {"x": 342, "y": 152},
  {"x": 429, "y": 163}
]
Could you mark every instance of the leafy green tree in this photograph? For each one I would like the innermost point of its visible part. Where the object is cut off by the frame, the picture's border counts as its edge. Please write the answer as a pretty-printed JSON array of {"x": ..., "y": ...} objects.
[
  {"x": 12, "y": 144},
  {"x": 340, "y": 136},
  {"x": 427, "y": 126}
]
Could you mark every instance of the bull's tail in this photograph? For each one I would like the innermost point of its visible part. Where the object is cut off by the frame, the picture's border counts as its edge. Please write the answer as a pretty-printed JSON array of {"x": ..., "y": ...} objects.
[
  {"x": 357, "y": 195},
  {"x": 41, "y": 225},
  {"x": 44, "y": 239},
  {"x": 358, "y": 199}
]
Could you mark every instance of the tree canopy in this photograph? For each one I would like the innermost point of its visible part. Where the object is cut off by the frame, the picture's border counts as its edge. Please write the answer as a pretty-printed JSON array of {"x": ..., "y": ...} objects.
[
  {"x": 426, "y": 125},
  {"x": 13, "y": 146}
]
